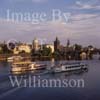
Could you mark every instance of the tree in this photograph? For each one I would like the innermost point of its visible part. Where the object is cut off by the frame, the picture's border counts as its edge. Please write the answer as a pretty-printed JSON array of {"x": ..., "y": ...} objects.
[
  {"x": 5, "y": 49},
  {"x": 77, "y": 51},
  {"x": 46, "y": 51}
]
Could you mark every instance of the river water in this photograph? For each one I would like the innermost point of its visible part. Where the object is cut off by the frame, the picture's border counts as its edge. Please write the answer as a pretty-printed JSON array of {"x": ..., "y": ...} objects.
[{"x": 91, "y": 90}]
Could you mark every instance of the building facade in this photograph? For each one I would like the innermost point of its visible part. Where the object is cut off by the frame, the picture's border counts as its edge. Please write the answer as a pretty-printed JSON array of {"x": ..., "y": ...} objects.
[
  {"x": 35, "y": 44},
  {"x": 22, "y": 48}
]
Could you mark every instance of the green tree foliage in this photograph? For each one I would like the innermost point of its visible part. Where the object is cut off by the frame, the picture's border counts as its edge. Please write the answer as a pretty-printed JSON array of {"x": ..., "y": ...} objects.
[{"x": 46, "y": 51}]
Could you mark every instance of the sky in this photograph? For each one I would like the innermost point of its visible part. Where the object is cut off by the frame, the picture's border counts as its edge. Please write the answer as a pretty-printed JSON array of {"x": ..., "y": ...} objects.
[{"x": 79, "y": 21}]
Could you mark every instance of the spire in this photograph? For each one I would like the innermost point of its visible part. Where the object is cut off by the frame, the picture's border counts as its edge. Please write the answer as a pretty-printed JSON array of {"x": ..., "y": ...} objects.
[
  {"x": 68, "y": 43},
  {"x": 57, "y": 39}
]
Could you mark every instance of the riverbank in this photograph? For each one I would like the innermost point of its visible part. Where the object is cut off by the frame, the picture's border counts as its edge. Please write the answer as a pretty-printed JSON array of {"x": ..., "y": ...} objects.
[{"x": 3, "y": 57}]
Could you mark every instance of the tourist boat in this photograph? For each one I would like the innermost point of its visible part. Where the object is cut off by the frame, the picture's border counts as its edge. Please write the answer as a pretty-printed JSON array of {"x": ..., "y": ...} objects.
[
  {"x": 10, "y": 59},
  {"x": 26, "y": 66},
  {"x": 20, "y": 66},
  {"x": 14, "y": 58},
  {"x": 68, "y": 67}
]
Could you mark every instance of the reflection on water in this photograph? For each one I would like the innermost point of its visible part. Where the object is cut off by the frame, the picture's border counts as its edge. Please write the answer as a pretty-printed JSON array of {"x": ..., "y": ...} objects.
[
  {"x": 70, "y": 73},
  {"x": 46, "y": 71},
  {"x": 41, "y": 72},
  {"x": 91, "y": 91},
  {"x": 4, "y": 68}
]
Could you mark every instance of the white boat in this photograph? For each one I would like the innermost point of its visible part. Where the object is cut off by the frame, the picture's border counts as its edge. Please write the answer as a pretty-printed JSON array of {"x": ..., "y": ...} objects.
[
  {"x": 68, "y": 67},
  {"x": 26, "y": 66},
  {"x": 10, "y": 59},
  {"x": 20, "y": 66},
  {"x": 14, "y": 58}
]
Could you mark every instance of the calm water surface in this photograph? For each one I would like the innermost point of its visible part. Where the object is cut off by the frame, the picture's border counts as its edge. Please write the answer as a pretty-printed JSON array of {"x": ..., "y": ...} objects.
[{"x": 91, "y": 91}]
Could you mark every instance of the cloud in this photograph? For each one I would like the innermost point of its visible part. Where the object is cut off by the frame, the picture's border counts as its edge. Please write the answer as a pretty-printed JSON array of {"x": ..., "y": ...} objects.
[
  {"x": 87, "y": 5},
  {"x": 83, "y": 6},
  {"x": 78, "y": 17},
  {"x": 79, "y": 31}
]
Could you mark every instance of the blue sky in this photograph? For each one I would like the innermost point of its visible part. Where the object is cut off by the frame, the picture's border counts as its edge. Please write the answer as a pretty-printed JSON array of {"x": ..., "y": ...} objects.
[{"x": 83, "y": 26}]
